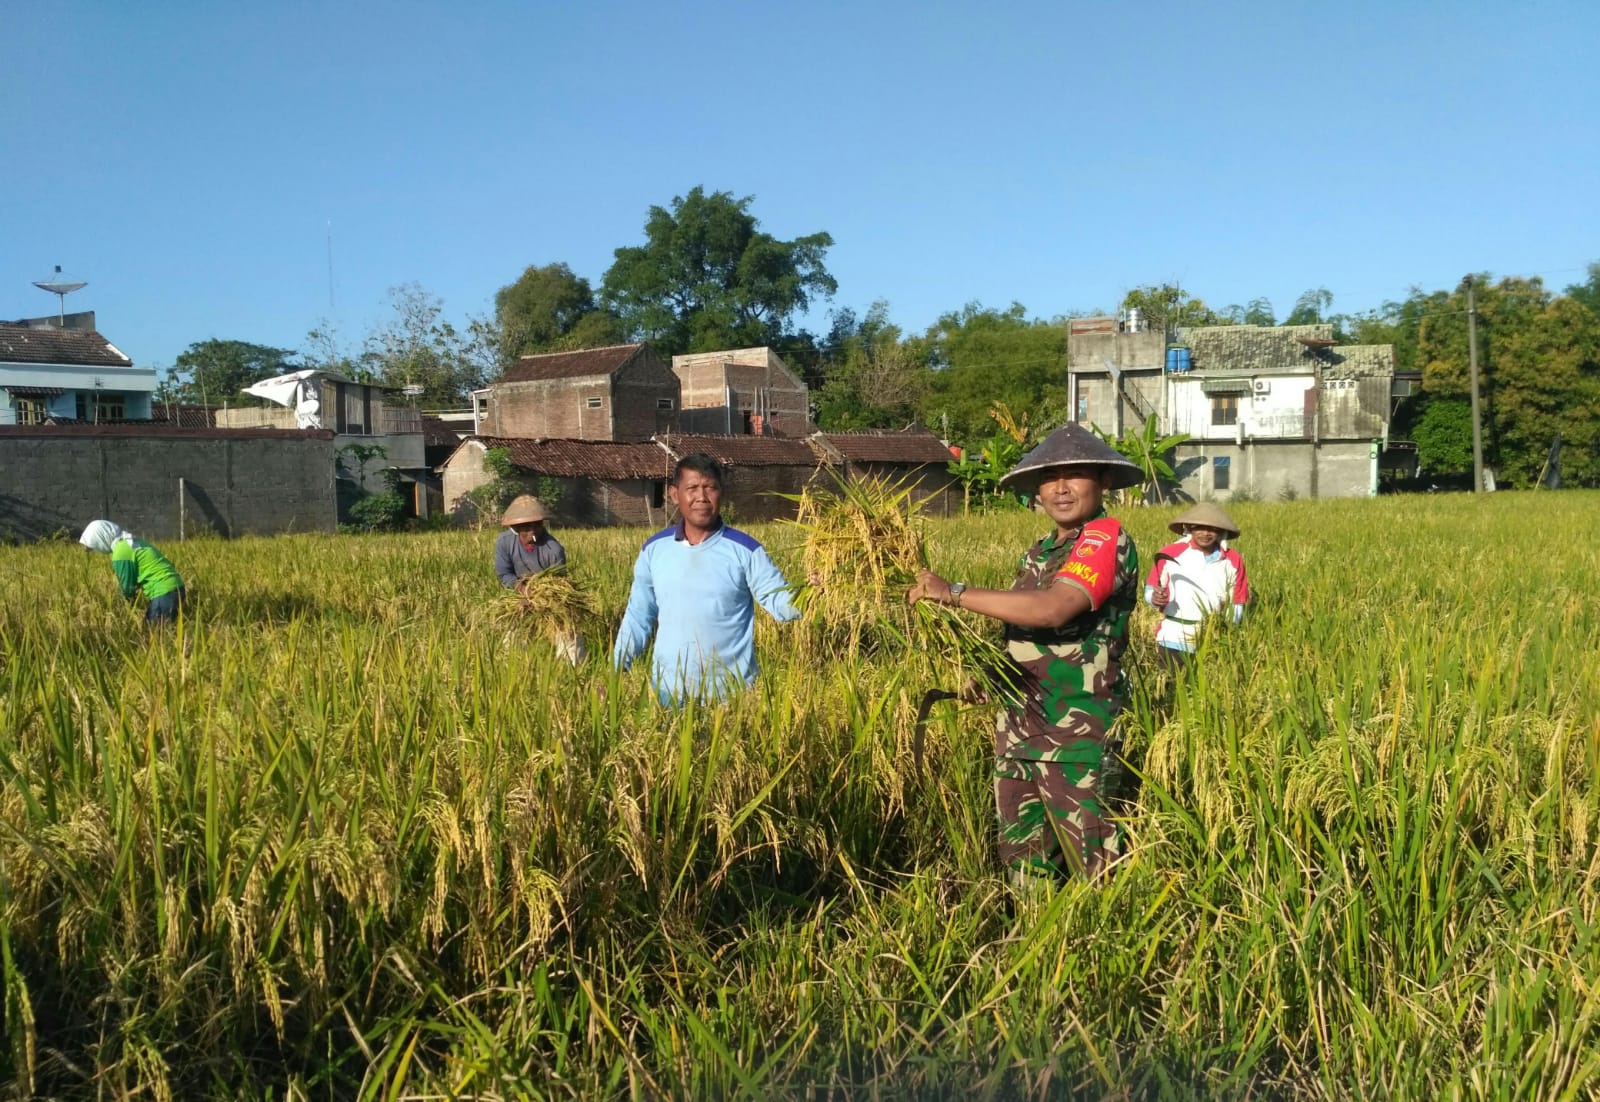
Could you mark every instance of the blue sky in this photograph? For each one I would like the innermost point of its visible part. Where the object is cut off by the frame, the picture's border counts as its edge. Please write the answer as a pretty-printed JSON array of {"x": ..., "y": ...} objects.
[{"x": 188, "y": 158}]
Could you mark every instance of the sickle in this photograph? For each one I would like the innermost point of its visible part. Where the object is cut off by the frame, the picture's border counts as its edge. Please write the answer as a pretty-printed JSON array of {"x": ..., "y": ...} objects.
[{"x": 920, "y": 730}]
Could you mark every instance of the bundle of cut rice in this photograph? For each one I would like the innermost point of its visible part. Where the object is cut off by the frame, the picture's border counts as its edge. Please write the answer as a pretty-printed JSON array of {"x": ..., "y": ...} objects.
[
  {"x": 550, "y": 604},
  {"x": 864, "y": 546}
]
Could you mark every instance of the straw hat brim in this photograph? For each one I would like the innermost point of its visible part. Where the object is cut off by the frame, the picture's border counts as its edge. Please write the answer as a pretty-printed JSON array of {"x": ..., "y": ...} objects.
[
  {"x": 524, "y": 510},
  {"x": 1071, "y": 446},
  {"x": 1206, "y": 515}
]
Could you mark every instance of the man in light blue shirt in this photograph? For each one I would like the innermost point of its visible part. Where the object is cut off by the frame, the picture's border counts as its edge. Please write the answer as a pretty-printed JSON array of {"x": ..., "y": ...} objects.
[{"x": 695, "y": 586}]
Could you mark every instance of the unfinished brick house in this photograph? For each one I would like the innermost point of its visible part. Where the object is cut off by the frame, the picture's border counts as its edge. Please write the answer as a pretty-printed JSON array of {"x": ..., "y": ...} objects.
[
  {"x": 742, "y": 392},
  {"x": 916, "y": 456},
  {"x": 623, "y": 392}
]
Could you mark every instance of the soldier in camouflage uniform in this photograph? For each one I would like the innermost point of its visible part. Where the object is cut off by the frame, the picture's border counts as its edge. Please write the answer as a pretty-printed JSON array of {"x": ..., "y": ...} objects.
[{"x": 1066, "y": 618}]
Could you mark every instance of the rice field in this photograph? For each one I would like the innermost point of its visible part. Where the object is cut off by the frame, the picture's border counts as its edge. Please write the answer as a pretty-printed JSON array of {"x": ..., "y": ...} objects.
[{"x": 345, "y": 835}]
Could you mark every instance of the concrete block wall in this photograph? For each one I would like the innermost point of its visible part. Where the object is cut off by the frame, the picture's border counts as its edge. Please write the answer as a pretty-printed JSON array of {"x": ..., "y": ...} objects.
[{"x": 234, "y": 484}]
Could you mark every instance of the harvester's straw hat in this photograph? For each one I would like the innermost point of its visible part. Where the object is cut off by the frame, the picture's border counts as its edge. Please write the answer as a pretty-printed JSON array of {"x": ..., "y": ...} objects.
[
  {"x": 524, "y": 509},
  {"x": 1206, "y": 515},
  {"x": 1069, "y": 445}
]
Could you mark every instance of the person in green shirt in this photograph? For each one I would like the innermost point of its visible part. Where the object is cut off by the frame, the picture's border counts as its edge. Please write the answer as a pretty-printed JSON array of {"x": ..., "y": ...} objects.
[{"x": 139, "y": 567}]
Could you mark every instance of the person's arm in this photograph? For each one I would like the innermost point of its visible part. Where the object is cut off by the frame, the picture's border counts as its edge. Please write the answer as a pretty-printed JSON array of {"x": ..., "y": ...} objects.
[
  {"x": 639, "y": 619},
  {"x": 561, "y": 555},
  {"x": 1241, "y": 587},
  {"x": 125, "y": 568},
  {"x": 504, "y": 566},
  {"x": 1050, "y": 607},
  {"x": 768, "y": 587}
]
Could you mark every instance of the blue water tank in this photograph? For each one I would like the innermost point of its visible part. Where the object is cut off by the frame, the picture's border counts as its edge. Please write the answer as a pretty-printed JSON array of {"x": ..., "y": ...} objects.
[
  {"x": 1183, "y": 359},
  {"x": 1172, "y": 359}
]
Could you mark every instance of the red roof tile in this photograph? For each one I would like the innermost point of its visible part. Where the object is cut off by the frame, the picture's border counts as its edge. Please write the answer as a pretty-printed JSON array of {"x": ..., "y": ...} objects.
[
  {"x": 744, "y": 451},
  {"x": 583, "y": 458},
  {"x": 571, "y": 365},
  {"x": 915, "y": 447},
  {"x": 20, "y": 344}
]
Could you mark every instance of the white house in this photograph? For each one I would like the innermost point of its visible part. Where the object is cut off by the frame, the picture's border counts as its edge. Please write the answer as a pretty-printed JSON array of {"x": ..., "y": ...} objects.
[{"x": 50, "y": 374}]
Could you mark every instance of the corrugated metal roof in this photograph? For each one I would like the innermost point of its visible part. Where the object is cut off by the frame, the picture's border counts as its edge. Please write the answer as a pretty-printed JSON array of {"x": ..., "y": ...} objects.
[{"x": 571, "y": 365}]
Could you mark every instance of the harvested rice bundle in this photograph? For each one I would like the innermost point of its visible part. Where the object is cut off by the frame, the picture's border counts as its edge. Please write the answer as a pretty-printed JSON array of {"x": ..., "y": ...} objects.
[
  {"x": 549, "y": 603},
  {"x": 863, "y": 547}
]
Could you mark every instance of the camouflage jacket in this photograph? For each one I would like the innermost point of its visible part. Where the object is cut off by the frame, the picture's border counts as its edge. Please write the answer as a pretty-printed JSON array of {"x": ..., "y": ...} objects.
[{"x": 1068, "y": 681}]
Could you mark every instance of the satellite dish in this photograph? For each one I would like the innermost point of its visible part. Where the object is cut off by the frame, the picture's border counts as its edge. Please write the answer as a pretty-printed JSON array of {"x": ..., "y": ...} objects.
[{"x": 61, "y": 285}]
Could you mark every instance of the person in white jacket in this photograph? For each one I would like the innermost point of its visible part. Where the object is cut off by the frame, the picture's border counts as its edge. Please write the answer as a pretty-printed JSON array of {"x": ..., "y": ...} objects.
[{"x": 1197, "y": 577}]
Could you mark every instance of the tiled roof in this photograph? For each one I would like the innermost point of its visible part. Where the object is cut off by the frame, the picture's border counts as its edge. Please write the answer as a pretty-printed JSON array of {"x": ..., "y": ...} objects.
[
  {"x": 571, "y": 365},
  {"x": 743, "y": 451},
  {"x": 910, "y": 447},
  {"x": 1358, "y": 361},
  {"x": 1266, "y": 349},
  {"x": 183, "y": 415},
  {"x": 583, "y": 458},
  {"x": 20, "y": 344}
]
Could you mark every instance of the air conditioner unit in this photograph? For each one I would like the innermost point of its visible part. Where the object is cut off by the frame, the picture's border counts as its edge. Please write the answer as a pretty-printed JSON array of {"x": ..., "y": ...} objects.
[{"x": 1261, "y": 386}]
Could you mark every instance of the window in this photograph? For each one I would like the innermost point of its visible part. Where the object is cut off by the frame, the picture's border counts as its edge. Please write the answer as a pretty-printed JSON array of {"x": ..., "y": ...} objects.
[
  {"x": 1224, "y": 409},
  {"x": 747, "y": 421},
  {"x": 594, "y": 403},
  {"x": 658, "y": 494},
  {"x": 663, "y": 403},
  {"x": 30, "y": 411},
  {"x": 1083, "y": 408},
  {"x": 100, "y": 407},
  {"x": 1220, "y": 468}
]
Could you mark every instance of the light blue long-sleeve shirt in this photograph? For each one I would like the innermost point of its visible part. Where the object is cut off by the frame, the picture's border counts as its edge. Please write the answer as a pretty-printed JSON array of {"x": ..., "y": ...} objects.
[{"x": 700, "y": 600}]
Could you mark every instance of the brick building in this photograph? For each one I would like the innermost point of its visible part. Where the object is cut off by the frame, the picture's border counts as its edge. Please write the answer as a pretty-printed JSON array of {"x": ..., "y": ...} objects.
[
  {"x": 623, "y": 392},
  {"x": 742, "y": 391},
  {"x": 916, "y": 456}
]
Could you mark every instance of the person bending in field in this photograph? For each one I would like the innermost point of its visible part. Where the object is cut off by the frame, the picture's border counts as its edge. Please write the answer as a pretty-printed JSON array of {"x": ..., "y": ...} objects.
[
  {"x": 695, "y": 587},
  {"x": 138, "y": 567},
  {"x": 1194, "y": 579},
  {"x": 526, "y": 548},
  {"x": 1066, "y": 627}
]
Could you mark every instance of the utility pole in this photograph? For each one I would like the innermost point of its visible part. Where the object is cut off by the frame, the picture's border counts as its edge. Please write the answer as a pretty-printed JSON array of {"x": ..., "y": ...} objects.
[{"x": 1472, "y": 359}]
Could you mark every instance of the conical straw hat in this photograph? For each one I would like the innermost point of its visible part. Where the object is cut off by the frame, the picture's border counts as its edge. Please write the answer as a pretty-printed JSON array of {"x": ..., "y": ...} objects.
[
  {"x": 1069, "y": 445},
  {"x": 1206, "y": 515},
  {"x": 524, "y": 509}
]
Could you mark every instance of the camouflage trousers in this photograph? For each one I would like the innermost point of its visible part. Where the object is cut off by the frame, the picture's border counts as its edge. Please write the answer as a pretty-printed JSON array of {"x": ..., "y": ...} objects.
[{"x": 1053, "y": 814}]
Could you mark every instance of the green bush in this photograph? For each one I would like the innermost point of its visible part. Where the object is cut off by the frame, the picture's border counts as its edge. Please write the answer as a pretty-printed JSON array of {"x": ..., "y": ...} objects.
[{"x": 379, "y": 512}]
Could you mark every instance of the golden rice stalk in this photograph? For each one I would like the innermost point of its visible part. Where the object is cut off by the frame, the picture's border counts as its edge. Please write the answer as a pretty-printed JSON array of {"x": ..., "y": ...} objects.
[
  {"x": 864, "y": 544},
  {"x": 550, "y": 604}
]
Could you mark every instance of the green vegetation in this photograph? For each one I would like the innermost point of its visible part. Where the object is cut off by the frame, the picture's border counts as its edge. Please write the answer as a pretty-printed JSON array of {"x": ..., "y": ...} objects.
[{"x": 340, "y": 837}]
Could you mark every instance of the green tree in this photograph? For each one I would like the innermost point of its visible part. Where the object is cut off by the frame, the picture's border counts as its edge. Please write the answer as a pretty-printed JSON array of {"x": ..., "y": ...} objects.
[
  {"x": 1258, "y": 311},
  {"x": 547, "y": 309},
  {"x": 979, "y": 356},
  {"x": 1587, "y": 293},
  {"x": 216, "y": 371},
  {"x": 1167, "y": 306},
  {"x": 874, "y": 378},
  {"x": 1311, "y": 308},
  {"x": 416, "y": 347},
  {"x": 707, "y": 277}
]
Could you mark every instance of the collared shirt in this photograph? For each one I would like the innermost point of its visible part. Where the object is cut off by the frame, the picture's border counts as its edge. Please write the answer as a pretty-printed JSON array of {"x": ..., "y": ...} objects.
[
  {"x": 1199, "y": 584},
  {"x": 512, "y": 561},
  {"x": 699, "y": 600},
  {"x": 1069, "y": 681}
]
